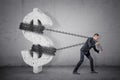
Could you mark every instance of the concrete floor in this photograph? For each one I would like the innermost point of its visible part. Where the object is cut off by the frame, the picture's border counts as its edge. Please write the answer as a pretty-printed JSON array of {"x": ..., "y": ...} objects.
[{"x": 59, "y": 73}]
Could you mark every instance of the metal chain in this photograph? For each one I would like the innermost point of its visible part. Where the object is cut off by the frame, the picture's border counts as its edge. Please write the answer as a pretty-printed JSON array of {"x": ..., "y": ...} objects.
[
  {"x": 72, "y": 34},
  {"x": 70, "y": 46},
  {"x": 67, "y": 33}
]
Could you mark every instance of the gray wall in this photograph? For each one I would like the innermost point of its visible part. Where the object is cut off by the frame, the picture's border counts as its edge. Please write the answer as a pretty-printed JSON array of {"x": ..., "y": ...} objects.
[{"x": 84, "y": 17}]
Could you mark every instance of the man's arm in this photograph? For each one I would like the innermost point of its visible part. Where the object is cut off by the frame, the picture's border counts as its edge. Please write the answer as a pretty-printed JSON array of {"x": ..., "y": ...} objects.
[{"x": 94, "y": 47}]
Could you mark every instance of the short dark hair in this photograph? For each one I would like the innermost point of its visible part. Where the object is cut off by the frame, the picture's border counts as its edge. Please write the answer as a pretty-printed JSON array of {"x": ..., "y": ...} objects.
[{"x": 96, "y": 34}]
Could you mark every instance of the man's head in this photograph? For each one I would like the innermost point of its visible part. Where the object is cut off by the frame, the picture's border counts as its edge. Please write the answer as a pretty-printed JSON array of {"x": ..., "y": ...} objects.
[{"x": 96, "y": 36}]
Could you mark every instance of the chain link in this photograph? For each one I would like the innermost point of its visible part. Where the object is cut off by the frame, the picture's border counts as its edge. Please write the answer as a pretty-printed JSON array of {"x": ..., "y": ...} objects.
[
  {"x": 67, "y": 33},
  {"x": 70, "y": 46}
]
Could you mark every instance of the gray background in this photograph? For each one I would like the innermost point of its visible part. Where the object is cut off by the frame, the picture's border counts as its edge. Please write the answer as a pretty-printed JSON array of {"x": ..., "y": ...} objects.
[{"x": 84, "y": 17}]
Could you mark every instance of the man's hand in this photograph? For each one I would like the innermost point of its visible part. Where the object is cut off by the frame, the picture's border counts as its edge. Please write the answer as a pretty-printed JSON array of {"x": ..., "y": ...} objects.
[{"x": 97, "y": 43}]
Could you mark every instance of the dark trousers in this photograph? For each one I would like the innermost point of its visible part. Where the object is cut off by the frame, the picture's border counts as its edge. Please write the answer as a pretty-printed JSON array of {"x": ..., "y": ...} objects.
[{"x": 87, "y": 54}]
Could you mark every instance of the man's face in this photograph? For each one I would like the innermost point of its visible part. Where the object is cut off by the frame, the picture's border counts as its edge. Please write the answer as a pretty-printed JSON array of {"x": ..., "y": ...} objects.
[{"x": 96, "y": 37}]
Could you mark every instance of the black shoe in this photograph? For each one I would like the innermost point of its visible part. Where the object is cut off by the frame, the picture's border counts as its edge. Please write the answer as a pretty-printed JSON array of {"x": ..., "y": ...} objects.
[
  {"x": 76, "y": 73},
  {"x": 94, "y": 72}
]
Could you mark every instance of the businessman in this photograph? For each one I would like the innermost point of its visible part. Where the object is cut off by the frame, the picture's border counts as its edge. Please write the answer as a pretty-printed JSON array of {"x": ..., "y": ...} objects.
[{"x": 91, "y": 42}]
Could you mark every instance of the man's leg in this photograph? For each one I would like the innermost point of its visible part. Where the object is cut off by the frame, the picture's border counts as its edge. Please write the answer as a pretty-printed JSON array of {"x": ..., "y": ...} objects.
[
  {"x": 91, "y": 62},
  {"x": 79, "y": 63}
]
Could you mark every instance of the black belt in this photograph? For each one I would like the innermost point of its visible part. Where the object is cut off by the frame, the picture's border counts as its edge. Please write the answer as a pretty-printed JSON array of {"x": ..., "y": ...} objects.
[
  {"x": 33, "y": 28},
  {"x": 40, "y": 50}
]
